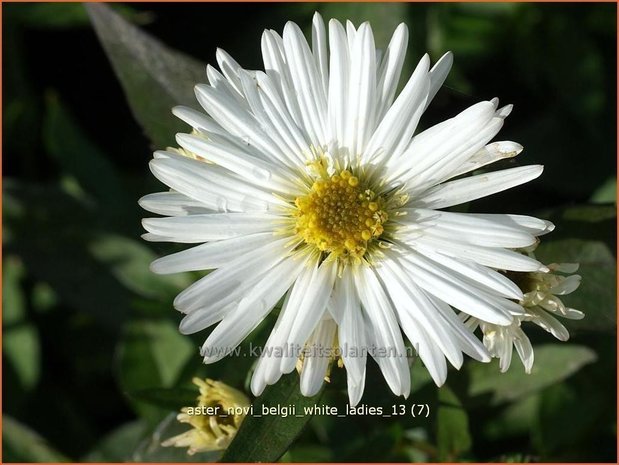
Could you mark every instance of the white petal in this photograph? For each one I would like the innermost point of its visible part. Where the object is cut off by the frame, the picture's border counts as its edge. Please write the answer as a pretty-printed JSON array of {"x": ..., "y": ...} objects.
[
  {"x": 429, "y": 160},
  {"x": 210, "y": 255},
  {"x": 261, "y": 173},
  {"x": 238, "y": 122},
  {"x": 438, "y": 74},
  {"x": 475, "y": 187},
  {"x": 252, "y": 309},
  {"x": 270, "y": 363},
  {"x": 311, "y": 309},
  {"x": 318, "y": 356},
  {"x": 198, "y": 120},
  {"x": 461, "y": 332},
  {"x": 236, "y": 273},
  {"x": 493, "y": 257},
  {"x": 281, "y": 117},
  {"x": 567, "y": 286},
  {"x": 229, "y": 67},
  {"x": 172, "y": 204},
  {"x": 351, "y": 327},
  {"x": 384, "y": 331},
  {"x": 552, "y": 325},
  {"x": 219, "y": 82},
  {"x": 464, "y": 227},
  {"x": 432, "y": 357},
  {"x": 413, "y": 305},
  {"x": 390, "y": 69},
  {"x": 458, "y": 293},
  {"x": 319, "y": 49},
  {"x": 267, "y": 368},
  {"x": 489, "y": 154},
  {"x": 361, "y": 91},
  {"x": 209, "y": 227},
  {"x": 480, "y": 276},
  {"x": 278, "y": 70},
  {"x": 355, "y": 390},
  {"x": 525, "y": 350},
  {"x": 428, "y": 351},
  {"x": 310, "y": 93},
  {"x": 338, "y": 81},
  {"x": 215, "y": 188},
  {"x": 401, "y": 120}
]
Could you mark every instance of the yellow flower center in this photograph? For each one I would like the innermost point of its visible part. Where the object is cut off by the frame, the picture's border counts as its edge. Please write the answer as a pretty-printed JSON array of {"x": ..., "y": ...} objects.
[{"x": 340, "y": 216}]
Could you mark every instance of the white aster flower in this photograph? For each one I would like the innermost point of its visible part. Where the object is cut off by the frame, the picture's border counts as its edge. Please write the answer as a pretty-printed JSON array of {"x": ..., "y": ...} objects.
[
  {"x": 308, "y": 182},
  {"x": 540, "y": 303}
]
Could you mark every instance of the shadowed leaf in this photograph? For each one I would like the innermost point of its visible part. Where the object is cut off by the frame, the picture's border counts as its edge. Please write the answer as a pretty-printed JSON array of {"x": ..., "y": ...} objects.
[{"x": 154, "y": 77}]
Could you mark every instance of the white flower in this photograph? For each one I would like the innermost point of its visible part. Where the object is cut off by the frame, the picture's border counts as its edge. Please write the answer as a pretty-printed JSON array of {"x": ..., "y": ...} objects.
[
  {"x": 540, "y": 301},
  {"x": 307, "y": 182}
]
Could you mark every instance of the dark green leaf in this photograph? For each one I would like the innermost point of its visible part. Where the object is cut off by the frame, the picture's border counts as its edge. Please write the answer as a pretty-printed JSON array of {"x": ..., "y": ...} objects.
[
  {"x": 50, "y": 231},
  {"x": 77, "y": 156},
  {"x": 607, "y": 192},
  {"x": 586, "y": 235},
  {"x": 119, "y": 445},
  {"x": 266, "y": 438},
  {"x": 516, "y": 419},
  {"x": 20, "y": 342},
  {"x": 553, "y": 364},
  {"x": 453, "y": 437},
  {"x": 172, "y": 399},
  {"x": 129, "y": 261},
  {"x": 151, "y": 355},
  {"x": 13, "y": 304},
  {"x": 155, "y": 78},
  {"x": 21, "y": 444}
]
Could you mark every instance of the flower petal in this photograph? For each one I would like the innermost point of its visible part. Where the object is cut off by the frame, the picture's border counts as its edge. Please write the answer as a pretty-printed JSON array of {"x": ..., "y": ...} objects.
[{"x": 475, "y": 187}]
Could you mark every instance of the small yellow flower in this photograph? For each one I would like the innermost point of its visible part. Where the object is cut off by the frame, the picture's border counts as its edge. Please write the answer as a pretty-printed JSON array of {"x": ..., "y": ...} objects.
[{"x": 215, "y": 420}]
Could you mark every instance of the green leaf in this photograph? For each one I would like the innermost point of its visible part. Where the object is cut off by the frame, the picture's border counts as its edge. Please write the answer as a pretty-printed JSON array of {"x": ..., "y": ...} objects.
[
  {"x": 129, "y": 261},
  {"x": 64, "y": 15},
  {"x": 516, "y": 419},
  {"x": 118, "y": 445},
  {"x": 20, "y": 341},
  {"x": 586, "y": 235},
  {"x": 154, "y": 77},
  {"x": 607, "y": 192},
  {"x": 21, "y": 347},
  {"x": 553, "y": 364},
  {"x": 78, "y": 156},
  {"x": 266, "y": 438},
  {"x": 453, "y": 437},
  {"x": 57, "y": 15},
  {"x": 151, "y": 355},
  {"x": 13, "y": 300},
  {"x": 172, "y": 399},
  {"x": 21, "y": 444},
  {"x": 49, "y": 230}
]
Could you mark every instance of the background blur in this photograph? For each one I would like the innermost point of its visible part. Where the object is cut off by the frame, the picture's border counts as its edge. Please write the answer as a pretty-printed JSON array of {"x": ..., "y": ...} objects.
[{"x": 89, "y": 334}]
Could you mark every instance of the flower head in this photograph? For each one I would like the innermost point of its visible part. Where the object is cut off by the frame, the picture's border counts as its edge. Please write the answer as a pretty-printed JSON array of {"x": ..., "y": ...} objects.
[
  {"x": 540, "y": 302},
  {"x": 309, "y": 182},
  {"x": 214, "y": 421}
]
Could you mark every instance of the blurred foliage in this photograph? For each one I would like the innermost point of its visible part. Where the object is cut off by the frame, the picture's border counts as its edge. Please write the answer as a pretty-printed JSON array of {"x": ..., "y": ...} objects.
[{"x": 90, "y": 337}]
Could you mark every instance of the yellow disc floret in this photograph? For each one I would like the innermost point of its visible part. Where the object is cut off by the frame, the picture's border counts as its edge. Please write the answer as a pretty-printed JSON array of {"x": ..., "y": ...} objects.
[{"x": 340, "y": 216}]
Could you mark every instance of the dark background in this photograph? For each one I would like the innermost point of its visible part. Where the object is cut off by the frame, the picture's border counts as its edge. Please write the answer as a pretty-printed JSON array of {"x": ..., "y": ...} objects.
[{"x": 86, "y": 326}]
